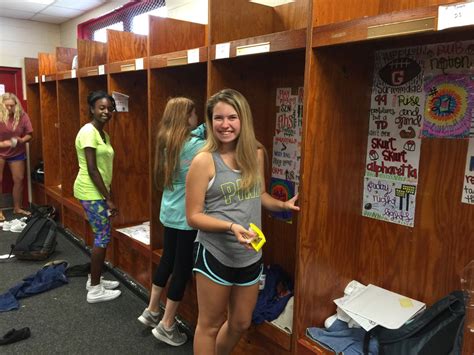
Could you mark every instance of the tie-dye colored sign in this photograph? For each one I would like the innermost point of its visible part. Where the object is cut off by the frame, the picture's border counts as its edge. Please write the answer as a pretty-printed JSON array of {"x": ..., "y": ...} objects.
[
  {"x": 282, "y": 190},
  {"x": 448, "y": 106}
]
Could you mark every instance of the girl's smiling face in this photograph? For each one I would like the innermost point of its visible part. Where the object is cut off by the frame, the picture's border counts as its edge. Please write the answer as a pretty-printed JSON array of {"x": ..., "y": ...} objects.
[
  {"x": 225, "y": 123},
  {"x": 102, "y": 111}
]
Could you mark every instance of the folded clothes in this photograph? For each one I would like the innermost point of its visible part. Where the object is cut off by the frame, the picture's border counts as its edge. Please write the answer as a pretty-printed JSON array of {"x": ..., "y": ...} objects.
[
  {"x": 342, "y": 339},
  {"x": 14, "y": 335}
]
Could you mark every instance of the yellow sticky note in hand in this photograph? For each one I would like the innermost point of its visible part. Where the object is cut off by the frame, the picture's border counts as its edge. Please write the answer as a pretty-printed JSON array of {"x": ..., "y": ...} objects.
[
  {"x": 405, "y": 302},
  {"x": 258, "y": 242}
]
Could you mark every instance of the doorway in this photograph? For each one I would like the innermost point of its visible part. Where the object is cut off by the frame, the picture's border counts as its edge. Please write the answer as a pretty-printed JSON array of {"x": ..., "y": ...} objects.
[{"x": 11, "y": 81}]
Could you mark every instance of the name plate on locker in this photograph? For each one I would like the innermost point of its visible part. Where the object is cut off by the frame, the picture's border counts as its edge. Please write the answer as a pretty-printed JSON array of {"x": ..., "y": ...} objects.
[
  {"x": 263, "y": 47},
  {"x": 91, "y": 72},
  {"x": 401, "y": 28},
  {"x": 339, "y": 35},
  {"x": 127, "y": 67},
  {"x": 177, "y": 61},
  {"x": 71, "y": 75}
]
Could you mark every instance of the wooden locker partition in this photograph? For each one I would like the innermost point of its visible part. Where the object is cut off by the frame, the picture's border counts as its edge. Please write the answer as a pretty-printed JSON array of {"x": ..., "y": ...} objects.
[
  {"x": 129, "y": 135},
  {"x": 34, "y": 112},
  {"x": 68, "y": 113}
]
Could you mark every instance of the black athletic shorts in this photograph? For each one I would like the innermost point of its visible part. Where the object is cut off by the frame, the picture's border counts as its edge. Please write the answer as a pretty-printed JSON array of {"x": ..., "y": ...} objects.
[{"x": 206, "y": 264}]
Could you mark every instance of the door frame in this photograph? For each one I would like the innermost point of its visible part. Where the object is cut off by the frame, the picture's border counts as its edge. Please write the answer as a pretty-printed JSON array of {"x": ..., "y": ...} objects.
[{"x": 18, "y": 72}]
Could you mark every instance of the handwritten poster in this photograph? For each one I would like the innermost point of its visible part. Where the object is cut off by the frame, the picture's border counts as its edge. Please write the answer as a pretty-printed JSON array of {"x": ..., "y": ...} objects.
[
  {"x": 468, "y": 188},
  {"x": 393, "y": 144},
  {"x": 389, "y": 200},
  {"x": 395, "y": 116},
  {"x": 286, "y": 154},
  {"x": 286, "y": 158}
]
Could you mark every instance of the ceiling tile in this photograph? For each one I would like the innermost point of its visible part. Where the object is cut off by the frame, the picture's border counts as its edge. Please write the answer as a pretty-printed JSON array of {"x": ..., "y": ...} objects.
[
  {"x": 17, "y": 14},
  {"x": 49, "y": 19},
  {"x": 79, "y": 5},
  {"x": 61, "y": 12},
  {"x": 20, "y": 5}
]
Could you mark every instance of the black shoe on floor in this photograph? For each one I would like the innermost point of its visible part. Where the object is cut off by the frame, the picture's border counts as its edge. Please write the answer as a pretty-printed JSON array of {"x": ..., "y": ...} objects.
[{"x": 15, "y": 335}]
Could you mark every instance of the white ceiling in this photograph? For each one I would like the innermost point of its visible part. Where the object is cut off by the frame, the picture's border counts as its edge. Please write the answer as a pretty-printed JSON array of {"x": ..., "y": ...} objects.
[{"x": 50, "y": 11}]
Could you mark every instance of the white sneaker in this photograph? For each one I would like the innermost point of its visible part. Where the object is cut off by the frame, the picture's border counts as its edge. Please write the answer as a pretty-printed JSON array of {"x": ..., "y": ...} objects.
[
  {"x": 7, "y": 225},
  {"x": 17, "y": 227},
  {"x": 108, "y": 284},
  {"x": 99, "y": 294}
]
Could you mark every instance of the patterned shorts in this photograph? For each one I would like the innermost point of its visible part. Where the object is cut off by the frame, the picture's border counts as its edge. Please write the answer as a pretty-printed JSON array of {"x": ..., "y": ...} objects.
[{"x": 96, "y": 211}]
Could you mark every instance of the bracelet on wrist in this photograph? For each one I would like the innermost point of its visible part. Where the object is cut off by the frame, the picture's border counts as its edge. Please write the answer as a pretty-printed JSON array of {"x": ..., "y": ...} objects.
[{"x": 230, "y": 227}]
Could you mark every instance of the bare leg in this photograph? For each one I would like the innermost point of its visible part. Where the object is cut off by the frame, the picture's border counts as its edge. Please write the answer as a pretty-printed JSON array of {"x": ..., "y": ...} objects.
[
  {"x": 170, "y": 312},
  {"x": 154, "y": 304},
  {"x": 18, "y": 174},
  {"x": 242, "y": 304},
  {"x": 97, "y": 262},
  {"x": 212, "y": 302}
]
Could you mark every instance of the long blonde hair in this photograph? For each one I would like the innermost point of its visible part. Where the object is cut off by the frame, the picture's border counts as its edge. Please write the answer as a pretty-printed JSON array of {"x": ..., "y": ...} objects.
[
  {"x": 4, "y": 115},
  {"x": 173, "y": 131},
  {"x": 247, "y": 144}
]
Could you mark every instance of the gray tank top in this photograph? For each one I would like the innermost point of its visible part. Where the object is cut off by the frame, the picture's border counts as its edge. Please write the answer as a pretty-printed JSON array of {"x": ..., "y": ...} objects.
[{"x": 226, "y": 201}]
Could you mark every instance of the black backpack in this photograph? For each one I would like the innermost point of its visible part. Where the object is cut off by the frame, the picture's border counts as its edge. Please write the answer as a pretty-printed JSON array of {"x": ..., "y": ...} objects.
[
  {"x": 37, "y": 241},
  {"x": 436, "y": 331},
  {"x": 43, "y": 211}
]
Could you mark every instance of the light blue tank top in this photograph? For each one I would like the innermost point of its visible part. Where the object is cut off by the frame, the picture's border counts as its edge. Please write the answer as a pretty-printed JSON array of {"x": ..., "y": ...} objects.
[
  {"x": 173, "y": 209},
  {"x": 226, "y": 201}
]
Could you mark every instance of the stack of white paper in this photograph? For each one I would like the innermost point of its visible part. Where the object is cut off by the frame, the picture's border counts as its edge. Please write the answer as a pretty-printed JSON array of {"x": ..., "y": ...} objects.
[
  {"x": 140, "y": 232},
  {"x": 374, "y": 305}
]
